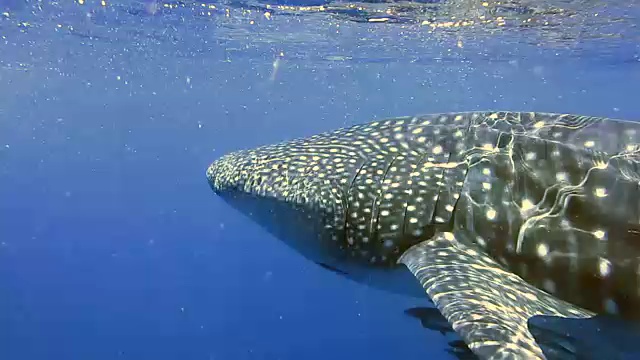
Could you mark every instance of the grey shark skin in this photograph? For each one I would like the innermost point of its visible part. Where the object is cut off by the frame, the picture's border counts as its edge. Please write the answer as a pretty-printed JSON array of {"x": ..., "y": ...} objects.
[{"x": 500, "y": 216}]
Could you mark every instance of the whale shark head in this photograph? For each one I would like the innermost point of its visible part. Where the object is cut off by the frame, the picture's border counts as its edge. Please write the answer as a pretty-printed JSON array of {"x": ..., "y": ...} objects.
[
  {"x": 355, "y": 198},
  {"x": 284, "y": 190}
]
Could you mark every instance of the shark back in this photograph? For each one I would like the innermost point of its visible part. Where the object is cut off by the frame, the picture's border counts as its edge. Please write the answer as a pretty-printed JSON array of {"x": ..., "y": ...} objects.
[{"x": 555, "y": 199}]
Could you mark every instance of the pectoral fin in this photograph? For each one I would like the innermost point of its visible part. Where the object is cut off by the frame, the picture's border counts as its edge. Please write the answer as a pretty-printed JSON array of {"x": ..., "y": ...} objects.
[{"x": 486, "y": 305}]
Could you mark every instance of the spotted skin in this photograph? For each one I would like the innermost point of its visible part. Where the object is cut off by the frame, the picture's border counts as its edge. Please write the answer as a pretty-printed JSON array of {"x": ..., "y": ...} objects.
[{"x": 546, "y": 203}]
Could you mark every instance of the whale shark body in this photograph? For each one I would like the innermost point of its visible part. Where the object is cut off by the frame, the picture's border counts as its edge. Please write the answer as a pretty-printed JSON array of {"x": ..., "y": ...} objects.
[{"x": 498, "y": 216}]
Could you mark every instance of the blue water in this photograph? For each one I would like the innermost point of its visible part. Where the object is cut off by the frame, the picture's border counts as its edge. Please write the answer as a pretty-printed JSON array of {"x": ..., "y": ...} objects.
[{"x": 112, "y": 245}]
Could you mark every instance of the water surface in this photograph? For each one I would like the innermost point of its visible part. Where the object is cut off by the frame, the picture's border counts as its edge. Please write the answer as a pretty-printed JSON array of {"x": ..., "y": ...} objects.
[{"x": 112, "y": 246}]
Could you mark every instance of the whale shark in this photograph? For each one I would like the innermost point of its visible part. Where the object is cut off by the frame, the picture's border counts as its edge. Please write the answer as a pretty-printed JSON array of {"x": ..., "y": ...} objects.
[{"x": 498, "y": 217}]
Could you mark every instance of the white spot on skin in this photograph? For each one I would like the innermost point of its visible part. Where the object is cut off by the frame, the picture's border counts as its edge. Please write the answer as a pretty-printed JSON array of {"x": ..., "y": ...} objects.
[
  {"x": 600, "y": 164},
  {"x": 542, "y": 250},
  {"x": 449, "y": 236},
  {"x": 481, "y": 241},
  {"x": 604, "y": 267},
  {"x": 599, "y": 234},
  {"x": 601, "y": 192},
  {"x": 491, "y": 214},
  {"x": 526, "y": 204},
  {"x": 488, "y": 147}
]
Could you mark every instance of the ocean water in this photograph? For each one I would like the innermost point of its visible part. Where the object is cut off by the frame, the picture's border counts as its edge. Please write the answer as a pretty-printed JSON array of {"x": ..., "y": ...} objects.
[{"x": 112, "y": 245}]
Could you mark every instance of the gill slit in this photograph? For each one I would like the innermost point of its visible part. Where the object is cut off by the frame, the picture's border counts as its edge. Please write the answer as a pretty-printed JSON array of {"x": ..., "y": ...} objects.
[
  {"x": 436, "y": 206},
  {"x": 375, "y": 214},
  {"x": 346, "y": 204},
  {"x": 406, "y": 204}
]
